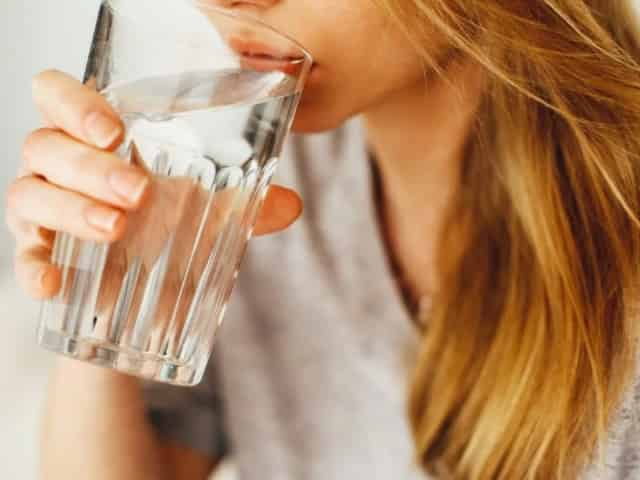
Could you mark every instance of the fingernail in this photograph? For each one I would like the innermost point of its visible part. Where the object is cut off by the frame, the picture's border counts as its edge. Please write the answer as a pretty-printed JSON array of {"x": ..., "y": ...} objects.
[
  {"x": 102, "y": 130},
  {"x": 102, "y": 218},
  {"x": 128, "y": 184}
]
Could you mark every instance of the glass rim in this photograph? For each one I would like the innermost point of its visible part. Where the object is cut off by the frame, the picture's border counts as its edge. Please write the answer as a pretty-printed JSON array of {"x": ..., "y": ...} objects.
[{"x": 306, "y": 57}]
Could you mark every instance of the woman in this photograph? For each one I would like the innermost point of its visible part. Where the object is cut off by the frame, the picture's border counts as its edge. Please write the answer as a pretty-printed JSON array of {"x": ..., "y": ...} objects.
[{"x": 484, "y": 263}]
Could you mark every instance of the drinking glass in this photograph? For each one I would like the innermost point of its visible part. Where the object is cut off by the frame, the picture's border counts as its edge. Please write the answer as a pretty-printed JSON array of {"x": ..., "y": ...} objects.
[{"x": 207, "y": 98}]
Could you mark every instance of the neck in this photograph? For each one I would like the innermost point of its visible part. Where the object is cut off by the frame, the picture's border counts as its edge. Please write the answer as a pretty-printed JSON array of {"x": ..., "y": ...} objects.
[{"x": 418, "y": 138}]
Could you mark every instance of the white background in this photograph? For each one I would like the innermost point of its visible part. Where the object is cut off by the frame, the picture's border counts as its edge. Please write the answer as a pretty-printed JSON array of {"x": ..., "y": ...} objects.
[{"x": 37, "y": 34}]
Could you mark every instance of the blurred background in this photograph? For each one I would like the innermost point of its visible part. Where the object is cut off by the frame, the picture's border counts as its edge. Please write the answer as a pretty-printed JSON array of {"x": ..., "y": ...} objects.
[{"x": 38, "y": 34}]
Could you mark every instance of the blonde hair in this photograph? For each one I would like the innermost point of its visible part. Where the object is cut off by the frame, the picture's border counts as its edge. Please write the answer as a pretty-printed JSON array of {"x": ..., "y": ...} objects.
[{"x": 532, "y": 340}]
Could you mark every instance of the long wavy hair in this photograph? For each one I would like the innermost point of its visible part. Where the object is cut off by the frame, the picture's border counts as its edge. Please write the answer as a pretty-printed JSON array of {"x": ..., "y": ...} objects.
[{"x": 531, "y": 344}]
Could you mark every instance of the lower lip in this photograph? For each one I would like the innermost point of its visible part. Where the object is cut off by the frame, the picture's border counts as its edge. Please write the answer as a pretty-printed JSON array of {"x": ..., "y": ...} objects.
[
  {"x": 266, "y": 64},
  {"x": 263, "y": 63}
]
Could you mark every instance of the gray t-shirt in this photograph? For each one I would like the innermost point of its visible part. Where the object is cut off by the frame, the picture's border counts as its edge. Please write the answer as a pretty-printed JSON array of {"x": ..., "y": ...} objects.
[{"x": 309, "y": 375}]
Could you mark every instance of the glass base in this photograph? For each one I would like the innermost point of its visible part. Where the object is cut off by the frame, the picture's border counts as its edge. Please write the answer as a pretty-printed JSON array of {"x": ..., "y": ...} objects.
[{"x": 108, "y": 355}]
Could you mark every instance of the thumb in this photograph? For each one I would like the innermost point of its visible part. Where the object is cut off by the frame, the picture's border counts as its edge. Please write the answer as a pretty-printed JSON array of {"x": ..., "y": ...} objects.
[{"x": 280, "y": 209}]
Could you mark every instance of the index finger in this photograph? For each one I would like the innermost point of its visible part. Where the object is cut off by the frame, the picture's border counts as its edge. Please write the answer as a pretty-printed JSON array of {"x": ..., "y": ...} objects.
[{"x": 77, "y": 109}]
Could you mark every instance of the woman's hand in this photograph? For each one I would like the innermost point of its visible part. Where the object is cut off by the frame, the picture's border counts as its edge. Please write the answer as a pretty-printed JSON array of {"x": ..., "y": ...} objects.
[{"x": 71, "y": 181}]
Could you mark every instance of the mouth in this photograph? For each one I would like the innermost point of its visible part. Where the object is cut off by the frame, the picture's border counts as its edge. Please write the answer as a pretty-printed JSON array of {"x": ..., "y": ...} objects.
[{"x": 266, "y": 58}]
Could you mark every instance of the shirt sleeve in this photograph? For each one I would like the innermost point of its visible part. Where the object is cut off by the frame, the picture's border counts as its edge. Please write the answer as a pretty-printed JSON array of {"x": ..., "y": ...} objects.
[{"x": 189, "y": 416}]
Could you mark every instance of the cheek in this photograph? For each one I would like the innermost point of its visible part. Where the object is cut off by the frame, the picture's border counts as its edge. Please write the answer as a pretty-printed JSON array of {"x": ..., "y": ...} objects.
[
  {"x": 361, "y": 59},
  {"x": 355, "y": 82}
]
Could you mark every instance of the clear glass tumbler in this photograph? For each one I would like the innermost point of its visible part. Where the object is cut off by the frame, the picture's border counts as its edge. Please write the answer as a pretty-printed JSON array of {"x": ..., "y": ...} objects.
[{"x": 207, "y": 98}]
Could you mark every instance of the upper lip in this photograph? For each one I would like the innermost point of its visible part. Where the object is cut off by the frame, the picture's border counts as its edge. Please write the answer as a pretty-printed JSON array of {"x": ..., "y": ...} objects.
[{"x": 252, "y": 48}]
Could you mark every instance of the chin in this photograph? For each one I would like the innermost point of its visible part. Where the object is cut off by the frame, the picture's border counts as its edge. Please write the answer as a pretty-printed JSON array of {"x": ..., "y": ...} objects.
[{"x": 312, "y": 119}]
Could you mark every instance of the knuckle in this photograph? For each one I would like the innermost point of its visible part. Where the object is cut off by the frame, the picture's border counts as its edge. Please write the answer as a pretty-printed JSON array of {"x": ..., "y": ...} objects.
[
  {"x": 28, "y": 284},
  {"x": 31, "y": 144},
  {"x": 13, "y": 195}
]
